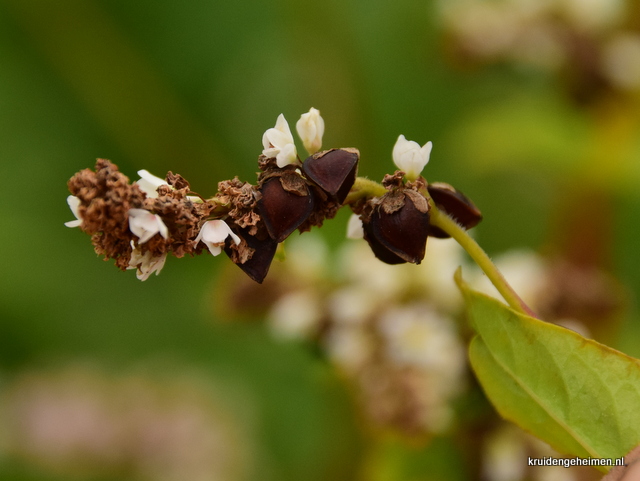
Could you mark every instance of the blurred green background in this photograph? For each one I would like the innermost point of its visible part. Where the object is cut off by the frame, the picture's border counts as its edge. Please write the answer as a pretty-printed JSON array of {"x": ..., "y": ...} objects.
[{"x": 191, "y": 87}]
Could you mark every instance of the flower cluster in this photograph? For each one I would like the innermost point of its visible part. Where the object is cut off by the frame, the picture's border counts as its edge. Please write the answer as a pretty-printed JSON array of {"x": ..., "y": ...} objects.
[
  {"x": 79, "y": 420},
  {"x": 390, "y": 330},
  {"x": 397, "y": 224},
  {"x": 140, "y": 224},
  {"x": 594, "y": 46}
]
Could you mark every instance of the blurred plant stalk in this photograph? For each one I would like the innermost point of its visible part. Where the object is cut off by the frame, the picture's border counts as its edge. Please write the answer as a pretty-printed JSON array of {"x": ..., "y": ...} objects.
[{"x": 116, "y": 84}]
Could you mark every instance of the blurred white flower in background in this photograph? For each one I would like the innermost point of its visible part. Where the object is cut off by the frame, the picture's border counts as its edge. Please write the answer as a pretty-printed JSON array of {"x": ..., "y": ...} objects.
[
  {"x": 504, "y": 454},
  {"x": 350, "y": 347},
  {"x": 295, "y": 315},
  {"x": 586, "y": 36},
  {"x": 525, "y": 270},
  {"x": 621, "y": 60},
  {"x": 406, "y": 360},
  {"x": 80, "y": 420},
  {"x": 308, "y": 257},
  {"x": 418, "y": 336},
  {"x": 354, "y": 227},
  {"x": 593, "y": 15}
]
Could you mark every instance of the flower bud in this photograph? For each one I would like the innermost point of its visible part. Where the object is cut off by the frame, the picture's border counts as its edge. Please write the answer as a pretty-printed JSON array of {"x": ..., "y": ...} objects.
[
  {"x": 410, "y": 157},
  {"x": 455, "y": 204},
  {"x": 310, "y": 128},
  {"x": 334, "y": 171}
]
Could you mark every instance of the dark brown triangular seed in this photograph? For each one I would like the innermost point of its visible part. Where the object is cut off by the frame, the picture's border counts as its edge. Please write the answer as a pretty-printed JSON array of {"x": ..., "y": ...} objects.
[
  {"x": 403, "y": 232},
  {"x": 333, "y": 170},
  {"x": 454, "y": 203},
  {"x": 258, "y": 265},
  {"x": 283, "y": 211},
  {"x": 379, "y": 250}
]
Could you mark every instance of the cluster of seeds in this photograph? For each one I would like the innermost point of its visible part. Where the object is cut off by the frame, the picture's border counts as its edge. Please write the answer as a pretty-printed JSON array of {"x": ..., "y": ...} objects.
[{"x": 138, "y": 224}]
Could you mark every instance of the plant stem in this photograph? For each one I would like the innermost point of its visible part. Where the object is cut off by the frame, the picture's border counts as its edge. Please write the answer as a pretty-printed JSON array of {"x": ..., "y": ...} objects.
[
  {"x": 363, "y": 188},
  {"x": 442, "y": 220}
]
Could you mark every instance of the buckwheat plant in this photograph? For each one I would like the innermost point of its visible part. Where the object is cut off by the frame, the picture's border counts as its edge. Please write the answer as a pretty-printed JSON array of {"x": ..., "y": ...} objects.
[{"x": 579, "y": 396}]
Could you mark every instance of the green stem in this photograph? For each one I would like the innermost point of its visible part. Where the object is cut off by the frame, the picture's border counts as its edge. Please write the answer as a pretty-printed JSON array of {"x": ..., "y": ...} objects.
[
  {"x": 442, "y": 220},
  {"x": 363, "y": 188}
]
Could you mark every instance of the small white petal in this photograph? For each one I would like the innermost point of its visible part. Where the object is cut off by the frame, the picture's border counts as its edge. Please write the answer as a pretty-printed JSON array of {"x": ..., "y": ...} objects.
[
  {"x": 279, "y": 139},
  {"x": 145, "y": 225},
  {"x": 214, "y": 233},
  {"x": 145, "y": 264},
  {"x": 288, "y": 155},
  {"x": 149, "y": 183},
  {"x": 283, "y": 126},
  {"x": 354, "y": 227},
  {"x": 74, "y": 204},
  {"x": 310, "y": 128},
  {"x": 426, "y": 150},
  {"x": 410, "y": 157}
]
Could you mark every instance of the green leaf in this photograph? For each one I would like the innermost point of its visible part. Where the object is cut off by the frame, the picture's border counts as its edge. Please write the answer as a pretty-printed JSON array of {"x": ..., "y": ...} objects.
[{"x": 581, "y": 397}]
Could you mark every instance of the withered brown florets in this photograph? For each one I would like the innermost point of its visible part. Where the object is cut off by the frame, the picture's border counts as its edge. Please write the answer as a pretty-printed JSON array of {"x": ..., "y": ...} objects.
[
  {"x": 390, "y": 181},
  {"x": 241, "y": 198},
  {"x": 182, "y": 216},
  {"x": 251, "y": 220},
  {"x": 105, "y": 199},
  {"x": 106, "y": 196}
]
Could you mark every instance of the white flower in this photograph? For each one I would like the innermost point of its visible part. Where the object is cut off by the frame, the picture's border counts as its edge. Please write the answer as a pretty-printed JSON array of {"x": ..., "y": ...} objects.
[
  {"x": 213, "y": 233},
  {"x": 145, "y": 225},
  {"x": 621, "y": 60},
  {"x": 310, "y": 128},
  {"x": 354, "y": 227},
  {"x": 418, "y": 336},
  {"x": 278, "y": 143},
  {"x": 149, "y": 183},
  {"x": 350, "y": 347},
  {"x": 295, "y": 315},
  {"x": 594, "y": 15},
  {"x": 525, "y": 270},
  {"x": 146, "y": 264},
  {"x": 503, "y": 452},
  {"x": 308, "y": 259},
  {"x": 74, "y": 203},
  {"x": 410, "y": 157}
]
